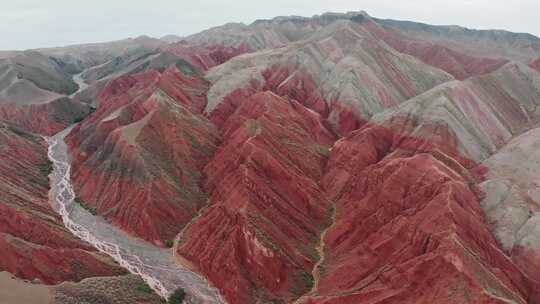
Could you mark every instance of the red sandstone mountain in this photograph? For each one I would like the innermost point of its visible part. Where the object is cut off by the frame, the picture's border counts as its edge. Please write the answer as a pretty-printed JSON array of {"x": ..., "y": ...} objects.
[
  {"x": 334, "y": 159},
  {"x": 137, "y": 159},
  {"x": 33, "y": 241}
]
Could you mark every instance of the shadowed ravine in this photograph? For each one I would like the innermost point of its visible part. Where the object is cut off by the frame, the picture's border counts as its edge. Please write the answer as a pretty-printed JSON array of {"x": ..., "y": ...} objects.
[{"x": 155, "y": 265}]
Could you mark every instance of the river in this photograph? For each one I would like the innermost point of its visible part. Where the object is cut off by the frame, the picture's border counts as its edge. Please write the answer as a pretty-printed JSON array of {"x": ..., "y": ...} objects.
[{"x": 78, "y": 79}]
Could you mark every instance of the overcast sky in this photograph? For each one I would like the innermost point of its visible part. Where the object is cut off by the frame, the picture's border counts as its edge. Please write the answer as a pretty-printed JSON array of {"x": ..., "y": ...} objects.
[{"x": 37, "y": 23}]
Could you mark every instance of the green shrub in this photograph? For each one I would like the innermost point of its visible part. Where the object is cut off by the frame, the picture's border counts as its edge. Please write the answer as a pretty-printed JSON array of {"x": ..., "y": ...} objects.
[
  {"x": 143, "y": 287},
  {"x": 91, "y": 210},
  {"x": 177, "y": 297},
  {"x": 46, "y": 168},
  {"x": 307, "y": 278},
  {"x": 169, "y": 243}
]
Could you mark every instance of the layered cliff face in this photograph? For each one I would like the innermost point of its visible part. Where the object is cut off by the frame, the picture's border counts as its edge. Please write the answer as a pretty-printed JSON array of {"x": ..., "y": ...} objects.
[
  {"x": 206, "y": 56},
  {"x": 409, "y": 227},
  {"x": 482, "y": 113},
  {"x": 341, "y": 167},
  {"x": 33, "y": 240},
  {"x": 257, "y": 238},
  {"x": 457, "y": 63},
  {"x": 138, "y": 158},
  {"x": 459, "y": 51},
  {"x": 355, "y": 76},
  {"x": 144, "y": 58},
  {"x": 483, "y": 43},
  {"x": 262, "y": 34},
  {"x": 132, "y": 62}
]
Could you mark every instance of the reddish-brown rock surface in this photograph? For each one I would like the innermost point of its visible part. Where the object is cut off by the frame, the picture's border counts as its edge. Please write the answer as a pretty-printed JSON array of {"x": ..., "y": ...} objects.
[
  {"x": 244, "y": 168},
  {"x": 33, "y": 240},
  {"x": 137, "y": 159},
  {"x": 257, "y": 238},
  {"x": 460, "y": 65},
  {"x": 409, "y": 228},
  {"x": 343, "y": 72}
]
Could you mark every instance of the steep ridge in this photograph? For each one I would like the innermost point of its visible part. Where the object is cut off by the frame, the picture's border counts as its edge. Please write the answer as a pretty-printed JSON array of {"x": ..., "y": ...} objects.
[
  {"x": 512, "y": 202},
  {"x": 483, "y": 43},
  {"x": 460, "y": 65},
  {"x": 138, "y": 60},
  {"x": 270, "y": 33},
  {"x": 355, "y": 75},
  {"x": 132, "y": 62},
  {"x": 31, "y": 93},
  {"x": 420, "y": 153},
  {"x": 257, "y": 239},
  {"x": 261, "y": 199},
  {"x": 409, "y": 227},
  {"x": 205, "y": 56},
  {"x": 406, "y": 199},
  {"x": 137, "y": 159},
  {"x": 33, "y": 241},
  {"x": 261, "y": 34},
  {"x": 481, "y": 113},
  {"x": 407, "y": 204},
  {"x": 280, "y": 31},
  {"x": 153, "y": 264}
]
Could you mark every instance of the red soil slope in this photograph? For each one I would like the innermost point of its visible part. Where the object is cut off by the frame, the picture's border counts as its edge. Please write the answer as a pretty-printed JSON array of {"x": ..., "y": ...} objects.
[
  {"x": 284, "y": 80},
  {"x": 409, "y": 228},
  {"x": 460, "y": 65},
  {"x": 343, "y": 66},
  {"x": 272, "y": 209},
  {"x": 407, "y": 210},
  {"x": 33, "y": 240},
  {"x": 137, "y": 159},
  {"x": 257, "y": 239},
  {"x": 253, "y": 203}
]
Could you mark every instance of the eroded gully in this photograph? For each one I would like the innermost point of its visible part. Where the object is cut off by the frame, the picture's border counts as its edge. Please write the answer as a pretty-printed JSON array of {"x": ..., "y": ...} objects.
[{"x": 154, "y": 265}]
